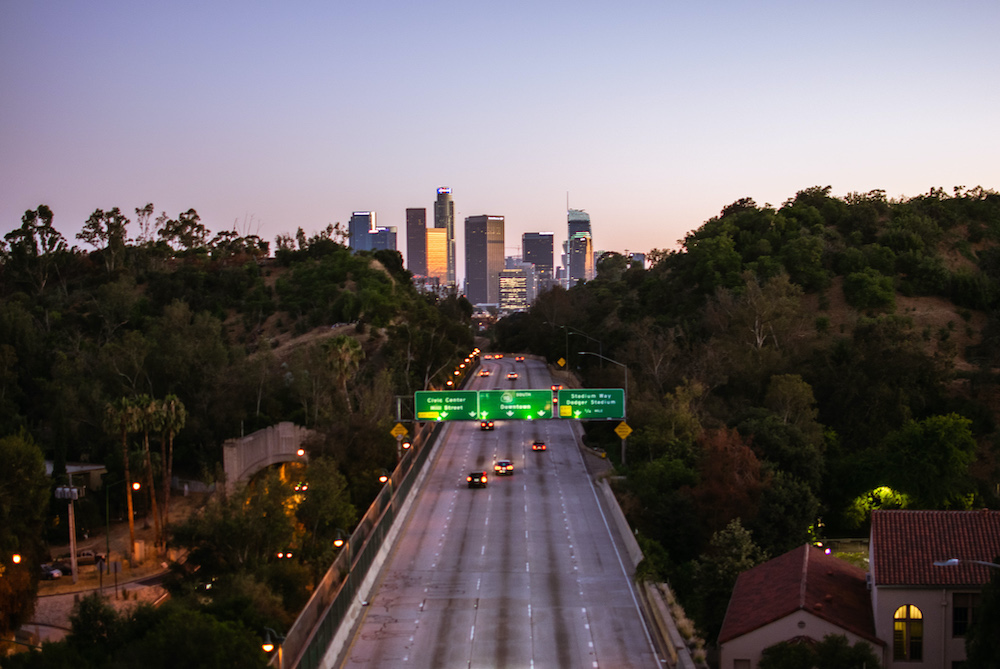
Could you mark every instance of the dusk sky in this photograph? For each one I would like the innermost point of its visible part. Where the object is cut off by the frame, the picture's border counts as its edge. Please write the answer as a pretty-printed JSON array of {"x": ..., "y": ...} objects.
[{"x": 652, "y": 116}]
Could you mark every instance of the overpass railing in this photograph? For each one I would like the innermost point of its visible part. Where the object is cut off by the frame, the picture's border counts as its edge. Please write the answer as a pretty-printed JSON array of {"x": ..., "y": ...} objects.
[{"x": 309, "y": 637}]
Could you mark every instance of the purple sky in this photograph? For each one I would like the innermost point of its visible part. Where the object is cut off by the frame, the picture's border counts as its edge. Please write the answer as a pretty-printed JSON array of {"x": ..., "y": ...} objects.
[{"x": 652, "y": 116}]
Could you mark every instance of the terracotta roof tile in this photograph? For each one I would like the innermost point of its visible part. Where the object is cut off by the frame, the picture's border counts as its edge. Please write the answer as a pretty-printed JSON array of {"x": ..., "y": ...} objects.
[
  {"x": 905, "y": 545},
  {"x": 805, "y": 578}
]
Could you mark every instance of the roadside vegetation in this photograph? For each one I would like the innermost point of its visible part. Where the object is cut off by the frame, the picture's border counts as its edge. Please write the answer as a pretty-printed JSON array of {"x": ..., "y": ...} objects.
[{"x": 790, "y": 369}]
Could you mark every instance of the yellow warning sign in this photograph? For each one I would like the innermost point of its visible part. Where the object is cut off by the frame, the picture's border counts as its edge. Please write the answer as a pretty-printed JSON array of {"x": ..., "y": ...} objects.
[
  {"x": 623, "y": 430},
  {"x": 561, "y": 362},
  {"x": 398, "y": 431}
]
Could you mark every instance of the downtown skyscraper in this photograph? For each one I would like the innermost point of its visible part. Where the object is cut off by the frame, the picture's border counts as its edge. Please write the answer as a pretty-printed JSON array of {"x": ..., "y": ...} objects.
[
  {"x": 484, "y": 247},
  {"x": 579, "y": 247},
  {"x": 444, "y": 217},
  {"x": 416, "y": 241}
]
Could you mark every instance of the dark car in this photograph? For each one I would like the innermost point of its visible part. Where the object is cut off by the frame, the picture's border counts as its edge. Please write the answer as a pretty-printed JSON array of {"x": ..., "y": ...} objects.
[
  {"x": 486, "y": 425},
  {"x": 476, "y": 479},
  {"x": 50, "y": 573},
  {"x": 519, "y": 358},
  {"x": 538, "y": 445},
  {"x": 503, "y": 468}
]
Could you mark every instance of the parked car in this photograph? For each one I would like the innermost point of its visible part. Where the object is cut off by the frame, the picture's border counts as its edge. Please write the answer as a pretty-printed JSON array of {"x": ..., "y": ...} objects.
[{"x": 50, "y": 573}]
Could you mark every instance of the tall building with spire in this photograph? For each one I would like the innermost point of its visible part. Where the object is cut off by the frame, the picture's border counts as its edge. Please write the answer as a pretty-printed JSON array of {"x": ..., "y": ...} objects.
[
  {"x": 444, "y": 217},
  {"x": 484, "y": 248}
]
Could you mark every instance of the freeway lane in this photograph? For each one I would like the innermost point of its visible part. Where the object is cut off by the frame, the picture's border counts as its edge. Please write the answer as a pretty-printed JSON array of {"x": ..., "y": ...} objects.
[{"x": 522, "y": 573}]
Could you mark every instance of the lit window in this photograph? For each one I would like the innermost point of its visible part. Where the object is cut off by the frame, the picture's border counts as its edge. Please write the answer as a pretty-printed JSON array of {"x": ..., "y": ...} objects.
[
  {"x": 963, "y": 612},
  {"x": 908, "y": 633}
]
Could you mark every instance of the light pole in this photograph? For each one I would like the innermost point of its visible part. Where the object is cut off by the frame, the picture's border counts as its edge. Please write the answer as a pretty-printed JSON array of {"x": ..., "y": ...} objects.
[
  {"x": 603, "y": 357},
  {"x": 624, "y": 394},
  {"x": 571, "y": 330},
  {"x": 270, "y": 644}
]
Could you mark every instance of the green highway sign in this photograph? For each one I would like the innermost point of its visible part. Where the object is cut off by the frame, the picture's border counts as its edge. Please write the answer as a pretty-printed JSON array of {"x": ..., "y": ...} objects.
[
  {"x": 592, "y": 404},
  {"x": 515, "y": 404},
  {"x": 446, "y": 404}
]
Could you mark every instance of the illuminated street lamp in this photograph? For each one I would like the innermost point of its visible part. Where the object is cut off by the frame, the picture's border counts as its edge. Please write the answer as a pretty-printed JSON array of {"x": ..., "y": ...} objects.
[
  {"x": 341, "y": 539},
  {"x": 270, "y": 644},
  {"x": 383, "y": 476}
]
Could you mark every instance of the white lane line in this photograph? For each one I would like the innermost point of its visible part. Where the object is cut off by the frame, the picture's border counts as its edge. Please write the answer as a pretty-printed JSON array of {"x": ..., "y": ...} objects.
[{"x": 472, "y": 633}]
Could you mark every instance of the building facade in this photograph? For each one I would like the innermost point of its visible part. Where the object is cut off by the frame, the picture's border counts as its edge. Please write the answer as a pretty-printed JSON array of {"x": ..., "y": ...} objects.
[
  {"x": 437, "y": 254},
  {"x": 484, "y": 258},
  {"x": 416, "y": 241},
  {"x": 444, "y": 218},
  {"x": 513, "y": 290},
  {"x": 359, "y": 230},
  {"x": 538, "y": 249},
  {"x": 579, "y": 246},
  {"x": 383, "y": 238}
]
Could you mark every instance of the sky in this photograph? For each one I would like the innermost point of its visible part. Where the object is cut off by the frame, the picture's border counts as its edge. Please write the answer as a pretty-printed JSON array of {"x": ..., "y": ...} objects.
[{"x": 650, "y": 115}]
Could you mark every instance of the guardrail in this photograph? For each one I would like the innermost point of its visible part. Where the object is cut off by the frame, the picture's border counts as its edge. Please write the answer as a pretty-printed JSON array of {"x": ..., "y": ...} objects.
[{"x": 309, "y": 637}]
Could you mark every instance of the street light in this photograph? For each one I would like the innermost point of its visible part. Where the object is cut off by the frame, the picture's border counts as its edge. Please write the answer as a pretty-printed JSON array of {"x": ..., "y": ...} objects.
[
  {"x": 571, "y": 330},
  {"x": 270, "y": 644},
  {"x": 383, "y": 476},
  {"x": 602, "y": 357},
  {"x": 625, "y": 393},
  {"x": 341, "y": 538}
]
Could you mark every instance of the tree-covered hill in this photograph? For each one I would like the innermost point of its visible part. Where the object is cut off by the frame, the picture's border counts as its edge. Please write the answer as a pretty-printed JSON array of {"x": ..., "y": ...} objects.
[
  {"x": 789, "y": 368},
  {"x": 317, "y": 335}
]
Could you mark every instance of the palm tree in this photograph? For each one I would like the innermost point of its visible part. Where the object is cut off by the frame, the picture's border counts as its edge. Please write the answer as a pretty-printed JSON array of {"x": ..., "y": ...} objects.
[
  {"x": 174, "y": 416},
  {"x": 150, "y": 419},
  {"x": 122, "y": 417}
]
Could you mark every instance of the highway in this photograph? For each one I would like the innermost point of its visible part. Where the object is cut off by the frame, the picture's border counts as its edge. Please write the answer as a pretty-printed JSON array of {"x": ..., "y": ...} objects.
[{"x": 525, "y": 572}]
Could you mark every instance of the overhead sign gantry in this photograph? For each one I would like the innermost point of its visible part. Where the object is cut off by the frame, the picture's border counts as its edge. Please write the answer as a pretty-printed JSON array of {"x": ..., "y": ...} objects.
[{"x": 578, "y": 404}]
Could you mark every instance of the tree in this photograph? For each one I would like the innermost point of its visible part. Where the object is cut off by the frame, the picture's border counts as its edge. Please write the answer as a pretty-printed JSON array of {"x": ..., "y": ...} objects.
[
  {"x": 929, "y": 460},
  {"x": 731, "y": 552},
  {"x": 151, "y": 419},
  {"x": 122, "y": 418},
  {"x": 981, "y": 648},
  {"x": 33, "y": 246},
  {"x": 343, "y": 356},
  {"x": 174, "y": 416},
  {"x": 833, "y": 652},
  {"x": 106, "y": 232},
  {"x": 24, "y": 497},
  {"x": 185, "y": 232},
  {"x": 325, "y": 508}
]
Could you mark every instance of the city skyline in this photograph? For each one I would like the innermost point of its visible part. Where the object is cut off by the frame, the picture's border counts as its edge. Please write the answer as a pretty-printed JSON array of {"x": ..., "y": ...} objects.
[{"x": 295, "y": 115}]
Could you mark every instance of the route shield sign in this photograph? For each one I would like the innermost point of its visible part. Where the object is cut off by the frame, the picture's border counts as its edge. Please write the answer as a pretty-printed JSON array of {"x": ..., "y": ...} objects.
[
  {"x": 515, "y": 404},
  {"x": 446, "y": 404},
  {"x": 592, "y": 403}
]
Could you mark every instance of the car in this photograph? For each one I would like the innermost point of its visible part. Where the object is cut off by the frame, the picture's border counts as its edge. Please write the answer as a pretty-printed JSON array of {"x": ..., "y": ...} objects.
[
  {"x": 503, "y": 468},
  {"x": 484, "y": 372},
  {"x": 556, "y": 387},
  {"x": 519, "y": 358},
  {"x": 512, "y": 375},
  {"x": 50, "y": 573},
  {"x": 476, "y": 479},
  {"x": 538, "y": 445},
  {"x": 498, "y": 356},
  {"x": 487, "y": 357},
  {"x": 86, "y": 557},
  {"x": 486, "y": 425}
]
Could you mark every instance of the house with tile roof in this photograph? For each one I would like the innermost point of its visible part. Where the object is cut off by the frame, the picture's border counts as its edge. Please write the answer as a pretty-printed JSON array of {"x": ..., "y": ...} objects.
[
  {"x": 923, "y": 610},
  {"x": 913, "y": 612},
  {"x": 804, "y": 594}
]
